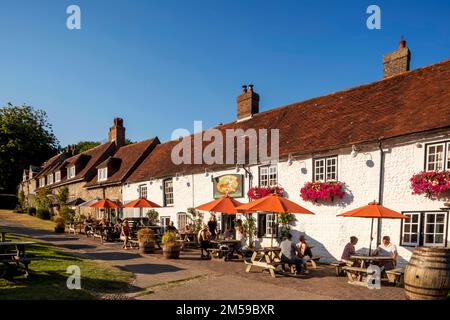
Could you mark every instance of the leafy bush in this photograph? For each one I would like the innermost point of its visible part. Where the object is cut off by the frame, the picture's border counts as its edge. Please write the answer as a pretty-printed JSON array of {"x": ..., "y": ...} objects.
[
  {"x": 59, "y": 222},
  {"x": 43, "y": 214},
  {"x": 169, "y": 237},
  {"x": 31, "y": 211},
  {"x": 152, "y": 217},
  {"x": 145, "y": 235},
  {"x": 8, "y": 201},
  {"x": 67, "y": 214},
  {"x": 41, "y": 198}
]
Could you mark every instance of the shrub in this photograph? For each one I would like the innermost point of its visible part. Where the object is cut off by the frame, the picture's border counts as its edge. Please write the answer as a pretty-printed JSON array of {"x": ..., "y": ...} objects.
[
  {"x": 67, "y": 214},
  {"x": 152, "y": 217},
  {"x": 169, "y": 237},
  {"x": 31, "y": 211},
  {"x": 145, "y": 235},
  {"x": 43, "y": 214},
  {"x": 8, "y": 201}
]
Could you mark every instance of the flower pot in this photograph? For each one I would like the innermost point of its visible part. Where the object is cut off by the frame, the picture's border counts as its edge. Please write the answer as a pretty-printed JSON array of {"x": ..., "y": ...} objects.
[
  {"x": 147, "y": 247},
  {"x": 171, "y": 251}
]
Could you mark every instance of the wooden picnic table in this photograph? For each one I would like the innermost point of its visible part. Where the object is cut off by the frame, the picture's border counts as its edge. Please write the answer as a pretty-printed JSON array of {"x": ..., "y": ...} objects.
[
  {"x": 10, "y": 259},
  {"x": 231, "y": 243},
  {"x": 361, "y": 272},
  {"x": 268, "y": 258}
]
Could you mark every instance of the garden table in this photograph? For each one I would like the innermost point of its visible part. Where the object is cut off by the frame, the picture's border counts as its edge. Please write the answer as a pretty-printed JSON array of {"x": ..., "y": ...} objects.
[
  {"x": 267, "y": 258},
  {"x": 12, "y": 259},
  {"x": 231, "y": 243}
]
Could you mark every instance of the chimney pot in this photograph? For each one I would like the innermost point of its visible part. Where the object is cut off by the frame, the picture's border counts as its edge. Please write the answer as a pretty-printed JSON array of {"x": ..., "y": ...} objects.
[
  {"x": 117, "y": 133},
  {"x": 244, "y": 88},
  {"x": 398, "y": 61},
  {"x": 247, "y": 103}
]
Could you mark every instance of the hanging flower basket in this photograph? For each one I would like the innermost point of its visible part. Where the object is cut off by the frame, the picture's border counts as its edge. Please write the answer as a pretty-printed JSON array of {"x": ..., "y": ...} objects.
[
  {"x": 431, "y": 183},
  {"x": 323, "y": 191},
  {"x": 261, "y": 192}
]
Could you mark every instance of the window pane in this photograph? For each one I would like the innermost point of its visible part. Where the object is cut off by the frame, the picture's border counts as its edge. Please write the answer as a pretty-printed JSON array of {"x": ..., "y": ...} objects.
[
  {"x": 430, "y": 228},
  {"x": 414, "y": 238},
  {"x": 429, "y": 238},
  {"x": 439, "y": 228},
  {"x": 430, "y": 218},
  {"x": 415, "y": 218},
  {"x": 407, "y": 238},
  {"x": 439, "y": 238},
  {"x": 440, "y": 218},
  {"x": 407, "y": 228},
  {"x": 414, "y": 228}
]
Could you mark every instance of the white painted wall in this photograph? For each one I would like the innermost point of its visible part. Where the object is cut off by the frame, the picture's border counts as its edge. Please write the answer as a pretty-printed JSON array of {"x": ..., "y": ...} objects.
[{"x": 326, "y": 232}]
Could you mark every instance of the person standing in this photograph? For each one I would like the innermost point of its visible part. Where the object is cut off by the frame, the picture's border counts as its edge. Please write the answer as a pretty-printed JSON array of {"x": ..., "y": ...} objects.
[
  {"x": 212, "y": 226},
  {"x": 125, "y": 234}
]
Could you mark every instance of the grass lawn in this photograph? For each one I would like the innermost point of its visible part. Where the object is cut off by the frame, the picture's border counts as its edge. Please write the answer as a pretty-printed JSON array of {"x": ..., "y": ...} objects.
[
  {"x": 48, "y": 276},
  {"x": 26, "y": 220}
]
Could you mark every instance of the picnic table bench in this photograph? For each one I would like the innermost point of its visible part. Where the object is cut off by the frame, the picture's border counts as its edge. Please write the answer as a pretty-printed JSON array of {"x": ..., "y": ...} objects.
[
  {"x": 395, "y": 276},
  {"x": 12, "y": 260},
  {"x": 361, "y": 275},
  {"x": 266, "y": 258},
  {"x": 339, "y": 267}
]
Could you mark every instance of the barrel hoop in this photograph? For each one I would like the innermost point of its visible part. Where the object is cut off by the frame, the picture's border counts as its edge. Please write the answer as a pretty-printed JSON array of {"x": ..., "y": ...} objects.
[
  {"x": 423, "y": 294},
  {"x": 425, "y": 267},
  {"x": 425, "y": 288},
  {"x": 446, "y": 255}
]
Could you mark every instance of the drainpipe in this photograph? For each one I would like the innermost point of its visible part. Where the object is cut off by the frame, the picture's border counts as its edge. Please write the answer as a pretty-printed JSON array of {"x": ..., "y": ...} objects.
[{"x": 380, "y": 189}]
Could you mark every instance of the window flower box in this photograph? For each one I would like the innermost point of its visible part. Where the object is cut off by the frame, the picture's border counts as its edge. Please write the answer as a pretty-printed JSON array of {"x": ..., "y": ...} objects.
[
  {"x": 322, "y": 191},
  {"x": 431, "y": 183},
  {"x": 260, "y": 192}
]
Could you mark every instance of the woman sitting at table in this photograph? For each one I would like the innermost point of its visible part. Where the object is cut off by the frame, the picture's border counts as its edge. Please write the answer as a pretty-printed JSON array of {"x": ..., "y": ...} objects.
[
  {"x": 204, "y": 241},
  {"x": 304, "y": 251},
  {"x": 288, "y": 254},
  {"x": 387, "y": 249},
  {"x": 349, "y": 250}
]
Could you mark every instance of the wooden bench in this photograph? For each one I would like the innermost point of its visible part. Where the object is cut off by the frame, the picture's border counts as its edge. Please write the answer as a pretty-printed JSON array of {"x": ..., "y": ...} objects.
[
  {"x": 313, "y": 261},
  {"x": 361, "y": 274},
  {"x": 338, "y": 265},
  {"x": 395, "y": 276},
  {"x": 216, "y": 253}
]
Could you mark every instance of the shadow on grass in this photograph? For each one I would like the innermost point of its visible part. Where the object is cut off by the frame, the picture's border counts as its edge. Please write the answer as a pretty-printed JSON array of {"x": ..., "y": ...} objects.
[
  {"x": 150, "y": 268},
  {"x": 52, "y": 285},
  {"x": 78, "y": 246}
]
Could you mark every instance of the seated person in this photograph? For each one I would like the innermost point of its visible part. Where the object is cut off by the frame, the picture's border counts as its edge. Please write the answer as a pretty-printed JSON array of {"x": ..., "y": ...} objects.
[
  {"x": 304, "y": 251},
  {"x": 141, "y": 222},
  {"x": 171, "y": 227},
  {"x": 387, "y": 249},
  {"x": 288, "y": 254},
  {"x": 349, "y": 250},
  {"x": 229, "y": 233}
]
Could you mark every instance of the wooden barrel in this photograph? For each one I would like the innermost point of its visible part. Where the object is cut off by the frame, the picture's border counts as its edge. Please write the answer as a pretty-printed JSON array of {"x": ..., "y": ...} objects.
[{"x": 427, "y": 275}]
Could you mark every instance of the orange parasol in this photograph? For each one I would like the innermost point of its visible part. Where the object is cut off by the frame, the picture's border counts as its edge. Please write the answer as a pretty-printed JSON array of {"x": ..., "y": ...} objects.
[
  {"x": 373, "y": 210},
  {"x": 273, "y": 203},
  {"x": 224, "y": 204},
  {"x": 105, "y": 204},
  {"x": 141, "y": 203}
]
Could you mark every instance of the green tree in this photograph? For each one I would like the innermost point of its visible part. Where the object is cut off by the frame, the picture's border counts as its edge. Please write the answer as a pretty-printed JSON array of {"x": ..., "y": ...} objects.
[
  {"x": 41, "y": 198},
  {"x": 152, "y": 215},
  {"x": 83, "y": 146},
  {"x": 25, "y": 136},
  {"x": 62, "y": 195}
]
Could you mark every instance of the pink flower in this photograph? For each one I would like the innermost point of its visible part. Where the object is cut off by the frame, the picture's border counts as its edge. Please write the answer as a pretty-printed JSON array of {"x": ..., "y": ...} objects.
[{"x": 325, "y": 191}]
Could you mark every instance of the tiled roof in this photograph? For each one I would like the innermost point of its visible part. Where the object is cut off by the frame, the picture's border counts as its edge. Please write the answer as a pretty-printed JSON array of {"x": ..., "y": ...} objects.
[
  {"x": 412, "y": 102},
  {"x": 124, "y": 161},
  {"x": 51, "y": 163}
]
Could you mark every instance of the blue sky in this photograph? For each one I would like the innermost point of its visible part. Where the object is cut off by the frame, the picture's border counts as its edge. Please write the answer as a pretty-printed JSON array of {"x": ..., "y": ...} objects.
[{"x": 161, "y": 65}]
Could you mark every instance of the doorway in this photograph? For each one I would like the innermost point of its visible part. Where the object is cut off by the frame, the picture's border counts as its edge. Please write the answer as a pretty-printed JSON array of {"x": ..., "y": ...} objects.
[{"x": 228, "y": 221}]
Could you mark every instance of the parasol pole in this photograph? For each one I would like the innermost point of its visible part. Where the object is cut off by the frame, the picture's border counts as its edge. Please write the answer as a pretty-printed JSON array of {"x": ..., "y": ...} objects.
[{"x": 371, "y": 233}]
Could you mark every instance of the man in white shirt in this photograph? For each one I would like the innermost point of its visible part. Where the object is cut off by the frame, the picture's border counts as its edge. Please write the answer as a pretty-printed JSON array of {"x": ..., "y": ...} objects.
[
  {"x": 288, "y": 254},
  {"x": 387, "y": 249}
]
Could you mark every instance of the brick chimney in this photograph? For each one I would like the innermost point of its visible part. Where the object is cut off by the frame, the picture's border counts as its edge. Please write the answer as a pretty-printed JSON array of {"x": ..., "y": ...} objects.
[
  {"x": 398, "y": 61},
  {"x": 247, "y": 103},
  {"x": 117, "y": 133}
]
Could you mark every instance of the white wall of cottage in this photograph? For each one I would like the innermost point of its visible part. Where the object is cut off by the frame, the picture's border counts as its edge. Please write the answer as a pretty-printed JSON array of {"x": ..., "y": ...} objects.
[{"x": 325, "y": 231}]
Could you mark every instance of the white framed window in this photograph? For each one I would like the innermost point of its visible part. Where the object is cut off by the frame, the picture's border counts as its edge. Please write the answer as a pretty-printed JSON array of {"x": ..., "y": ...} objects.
[
  {"x": 268, "y": 176},
  {"x": 103, "y": 174},
  {"x": 71, "y": 172},
  {"x": 143, "y": 191},
  {"x": 410, "y": 230},
  {"x": 164, "y": 222},
  {"x": 42, "y": 182},
  {"x": 57, "y": 176},
  {"x": 50, "y": 179},
  {"x": 181, "y": 220},
  {"x": 168, "y": 192},
  {"x": 325, "y": 169},
  {"x": 435, "y": 156},
  {"x": 267, "y": 225},
  {"x": 434, "y": 229},
  {"x": 427, "y": 228}
]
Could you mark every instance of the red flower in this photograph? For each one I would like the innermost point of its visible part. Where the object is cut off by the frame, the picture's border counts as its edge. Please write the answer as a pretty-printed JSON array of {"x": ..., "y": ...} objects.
[
  {"x": 431, "y": 183},
  {"x": 325, "y": 191},
  {"x": 261, "y": 192}
]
